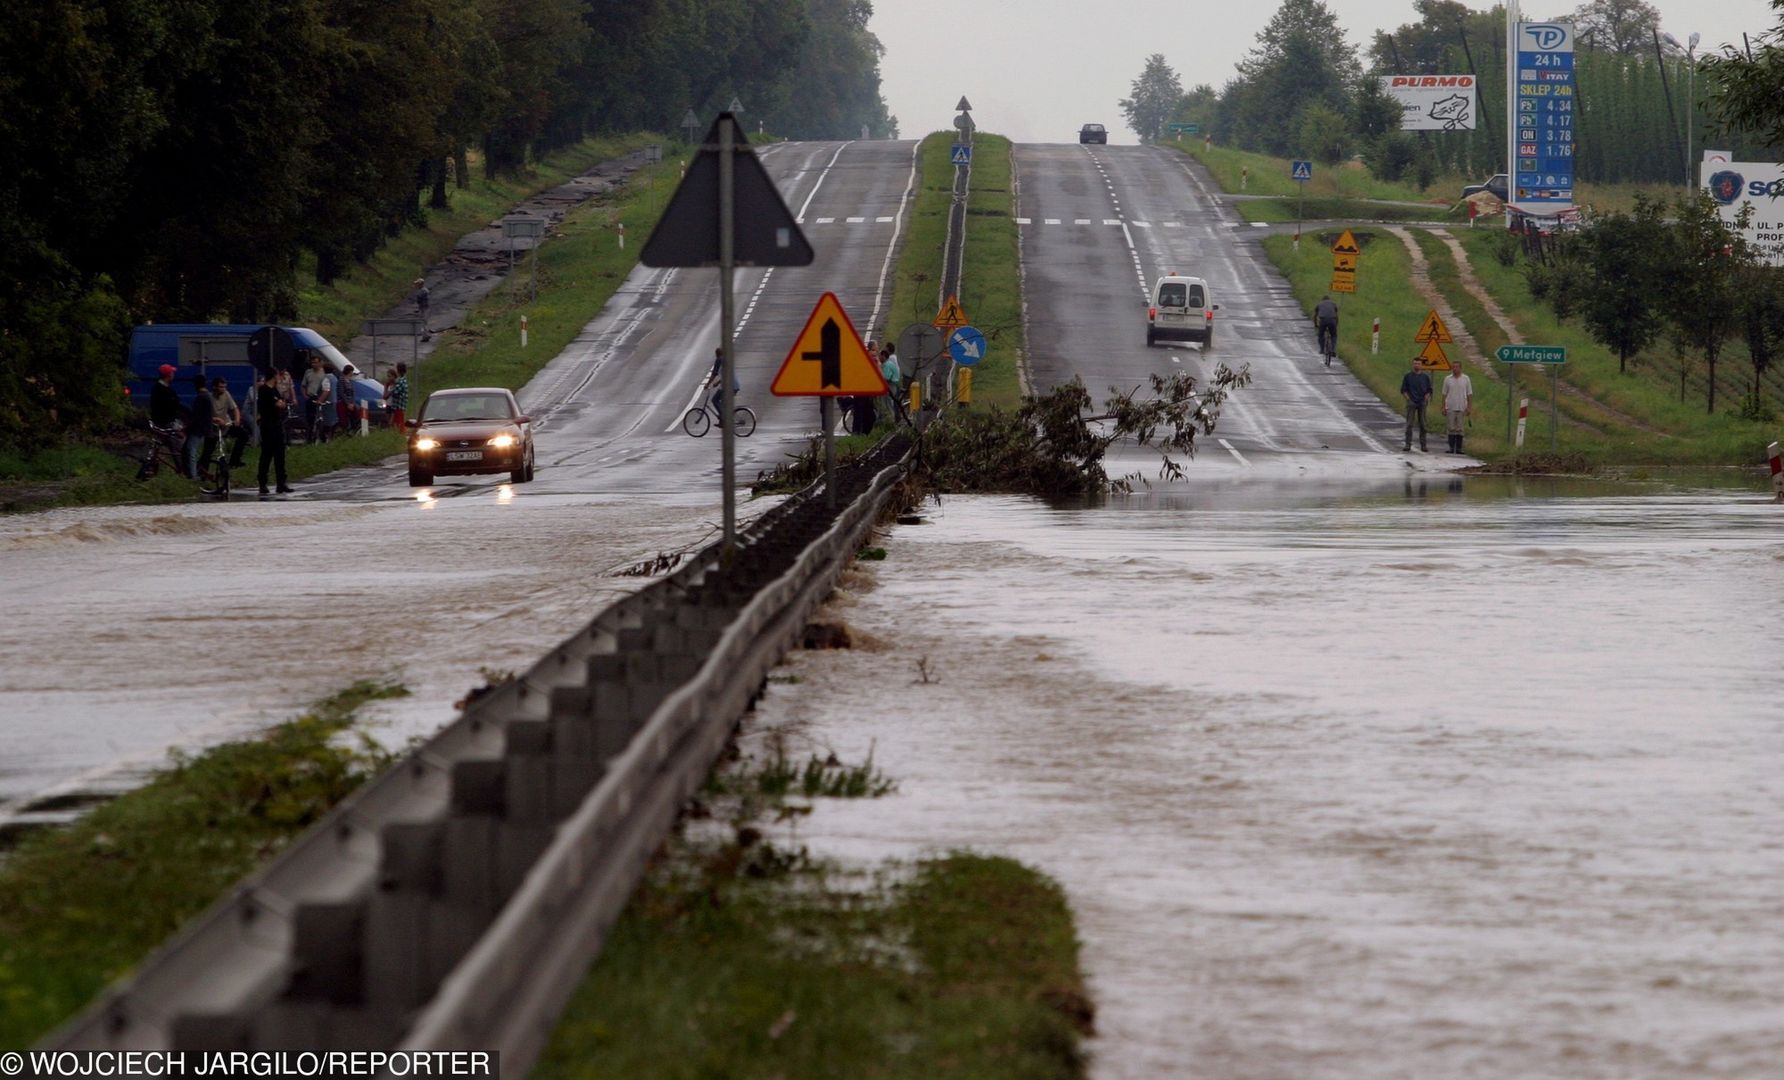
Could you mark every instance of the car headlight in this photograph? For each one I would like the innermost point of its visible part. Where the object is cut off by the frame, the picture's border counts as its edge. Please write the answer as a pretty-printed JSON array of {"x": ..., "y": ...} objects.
[
  {"x": 503, "y": 441},
  {"x": 425, "y": 443}
]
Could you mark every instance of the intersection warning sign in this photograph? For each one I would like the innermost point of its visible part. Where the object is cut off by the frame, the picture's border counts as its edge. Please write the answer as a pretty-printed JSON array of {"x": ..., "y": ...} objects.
[
  {"x": 828, "y": 359},
  {"x": 1432, "y": 329},
  {"x": 950, "y": 317}
]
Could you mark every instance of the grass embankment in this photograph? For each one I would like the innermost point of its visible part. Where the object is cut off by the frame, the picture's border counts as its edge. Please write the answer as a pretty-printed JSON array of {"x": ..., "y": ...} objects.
[
  {"x": 575, "y": 279},
  {"x": 83, "y": 903},
  {"x": 990, "y": 292},
  {"x": 1595, "y": 424},
  {"x": 1337, "y": 192},
  {"x": 737, "y": 958}
]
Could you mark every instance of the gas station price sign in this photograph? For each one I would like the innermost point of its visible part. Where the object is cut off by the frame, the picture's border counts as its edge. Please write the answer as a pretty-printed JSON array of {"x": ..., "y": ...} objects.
[{"x": 1547, "y": 117}]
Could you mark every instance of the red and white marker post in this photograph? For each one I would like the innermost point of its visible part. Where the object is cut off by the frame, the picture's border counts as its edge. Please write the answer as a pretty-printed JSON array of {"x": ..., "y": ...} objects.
[
  {"x": 1375, "y": 336},
  {"x": 621, "y": 227},
  {"x": 1777, "y": 462},
  {"x": 1523, "y": 415},
  {"x": 523, "y": 331}
]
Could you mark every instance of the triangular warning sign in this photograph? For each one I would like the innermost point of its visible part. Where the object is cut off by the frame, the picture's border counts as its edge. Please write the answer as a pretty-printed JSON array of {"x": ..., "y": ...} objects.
[
  {"x": 1432, "y": 329},
  {"x": 1346, "y": 244},
  {"x": 828, "y": 358},
  {"x": 764, "y": 232},
  {"x": 1432, "y": 358},
  {"x": 950, "y": 316}
]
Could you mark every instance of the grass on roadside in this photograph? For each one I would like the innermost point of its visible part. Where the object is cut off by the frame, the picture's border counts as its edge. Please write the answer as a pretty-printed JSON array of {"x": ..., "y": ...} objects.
[
  {"x": 990, "y": 287},
  {"x": 753, "y": 962},
  {"x": 1270, "y": 176},
  {"x": 82, "y": 904}
]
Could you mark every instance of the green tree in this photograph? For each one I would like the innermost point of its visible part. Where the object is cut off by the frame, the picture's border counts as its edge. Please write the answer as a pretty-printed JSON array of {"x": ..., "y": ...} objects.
[
  {"x": 1624, "y": 27},
  {"x": 1630, "y": 261},
  {"x": 1324, "y": 135},
  {"x": 1301, "y": 60},
  {"x": 1762, "y": 328},
  {"x": 1709, "y": 262},
  {"x": 1748, "y": 94},
  {"x": 1156, "y": 94}
]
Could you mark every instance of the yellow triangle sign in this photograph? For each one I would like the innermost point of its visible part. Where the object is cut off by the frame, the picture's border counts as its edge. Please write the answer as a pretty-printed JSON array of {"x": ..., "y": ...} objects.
[
  {"x": 828, "y": 359},
  {"x": 1346, "y": 244},
  {"x": 1432, "y": 329},
  {"x": 950, "y": 317},
  {"x": 1432, "y": 358}
]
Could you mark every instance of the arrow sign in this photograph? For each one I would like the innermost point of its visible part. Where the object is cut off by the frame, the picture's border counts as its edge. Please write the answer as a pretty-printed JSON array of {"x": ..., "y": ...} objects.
[
  {"x": 1532, "y": 354},
  {"x": 1432, "y": 329},
  {"x": 828, "y": 359},
  {"x": 966, "y": 345}
]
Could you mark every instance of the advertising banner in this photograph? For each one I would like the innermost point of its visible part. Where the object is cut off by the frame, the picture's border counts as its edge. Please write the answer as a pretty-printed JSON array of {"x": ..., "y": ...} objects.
[
  {"x": 1734, "y": 184},
  {"x": 1433, "y": 102},
  {"x": 1543, "y": 139}
]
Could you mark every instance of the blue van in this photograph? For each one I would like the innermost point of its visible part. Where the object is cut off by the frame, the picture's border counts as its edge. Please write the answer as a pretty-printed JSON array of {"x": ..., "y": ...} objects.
[{"x": 235, "y": 353}]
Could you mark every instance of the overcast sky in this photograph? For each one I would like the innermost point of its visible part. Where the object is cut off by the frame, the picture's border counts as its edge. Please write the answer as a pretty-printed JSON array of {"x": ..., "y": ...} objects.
[{"x": 1036, "y": 70}]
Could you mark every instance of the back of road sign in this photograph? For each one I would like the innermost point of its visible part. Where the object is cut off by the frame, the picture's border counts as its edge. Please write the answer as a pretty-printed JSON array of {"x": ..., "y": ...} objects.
[
  {"x": 763, "y": 229},
  {"x": 828, "y": 359}
]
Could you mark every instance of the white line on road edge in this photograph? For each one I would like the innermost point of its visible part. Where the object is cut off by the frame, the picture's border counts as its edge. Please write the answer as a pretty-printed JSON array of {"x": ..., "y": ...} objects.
[
  {"x": 1235, "y": 453},
  {"x": 749, "y": 309}
]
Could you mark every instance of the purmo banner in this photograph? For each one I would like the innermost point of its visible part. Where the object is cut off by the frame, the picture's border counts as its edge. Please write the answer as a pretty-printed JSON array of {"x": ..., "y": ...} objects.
[
  {"x": 1734, "y": 184},
  {"x": 1433, "y": 102}
]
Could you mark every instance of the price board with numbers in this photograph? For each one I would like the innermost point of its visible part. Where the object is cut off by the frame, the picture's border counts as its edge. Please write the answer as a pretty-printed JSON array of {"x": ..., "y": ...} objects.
[{"x": 1546, "y": 112}]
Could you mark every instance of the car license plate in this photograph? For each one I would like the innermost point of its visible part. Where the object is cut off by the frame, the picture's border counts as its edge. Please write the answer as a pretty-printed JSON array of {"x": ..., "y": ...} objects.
[{"x": 464, "y": 455}]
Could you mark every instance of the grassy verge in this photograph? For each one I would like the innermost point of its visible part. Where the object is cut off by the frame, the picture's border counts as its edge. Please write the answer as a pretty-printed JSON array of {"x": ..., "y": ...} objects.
[
  {"x": 990, "y": 288},
  {"x": 1270, "y": 176},
  {"x": 738, "y": 958},
  {"x": 1287, "y": 208},
  {"x": 917, "y": 277},
  {"x": 384, "y": 281},
  {"x": 80, "y": 905}
]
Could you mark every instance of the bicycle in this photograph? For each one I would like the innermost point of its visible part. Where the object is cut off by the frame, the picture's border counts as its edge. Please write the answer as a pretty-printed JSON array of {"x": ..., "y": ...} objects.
[
  {"x": 165, "y": 445},
  {"x": 1328, "y": 341},
  {"x": 215, "y": 483},
  {"x": 700, "y": 419}
]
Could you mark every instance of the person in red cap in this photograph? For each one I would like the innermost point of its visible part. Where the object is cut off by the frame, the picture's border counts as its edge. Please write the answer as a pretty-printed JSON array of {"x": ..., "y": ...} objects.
[{"x": 164, "y": 412}]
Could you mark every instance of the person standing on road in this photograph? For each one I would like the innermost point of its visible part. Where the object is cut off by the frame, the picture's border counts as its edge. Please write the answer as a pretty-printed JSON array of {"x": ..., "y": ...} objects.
[
  {"x": 1458, "y": 404},
  {"x": 273, "y": 409},
  {"x": 1325, "y": 321},
  {"x": 398, "y": 395},
  {"x": 1415, "y": 387},
  {"x": 164, "y": 412},
  {"x": 201, "y": 429},
  {"x": 315, "y": 387},
  {"x": 894, "y": 376}
]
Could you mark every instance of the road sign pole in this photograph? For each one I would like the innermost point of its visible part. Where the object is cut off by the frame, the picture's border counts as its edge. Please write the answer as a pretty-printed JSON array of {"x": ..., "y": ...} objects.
[
  {"x": 727, "y": 334},
  {"x": 1511, "y": 389},
  {"x": 827, "y": 409},
  {"x": 1554, "y": 402}
]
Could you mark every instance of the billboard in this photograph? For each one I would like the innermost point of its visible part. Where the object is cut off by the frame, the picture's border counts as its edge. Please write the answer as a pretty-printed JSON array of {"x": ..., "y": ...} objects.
[
  {"x": 1433, "y": 102},
  {"x": 1542, "y": 144},
  {"x": 1734, "y": 184}
]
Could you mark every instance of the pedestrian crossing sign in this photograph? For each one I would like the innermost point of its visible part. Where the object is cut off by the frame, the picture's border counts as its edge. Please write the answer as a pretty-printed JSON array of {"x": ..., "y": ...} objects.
[
  {"x": 950, "y": 316},
  {"x": 961, "y": 155},
  {"x": 1432, "y": 329},
  {"x": 828, "y": 358}
]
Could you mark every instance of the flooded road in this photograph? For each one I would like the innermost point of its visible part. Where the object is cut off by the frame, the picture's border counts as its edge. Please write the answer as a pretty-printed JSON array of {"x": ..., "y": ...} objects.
[{"x": 1424, "y": 777}]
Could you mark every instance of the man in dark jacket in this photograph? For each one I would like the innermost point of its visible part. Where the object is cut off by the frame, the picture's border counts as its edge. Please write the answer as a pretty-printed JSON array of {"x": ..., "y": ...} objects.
[
  {"x": 164, "y": 410},
  {"x": 199, "y": 427},
  {"x": 272, "y": 436},
  {"x": 1415, "y": 387}
]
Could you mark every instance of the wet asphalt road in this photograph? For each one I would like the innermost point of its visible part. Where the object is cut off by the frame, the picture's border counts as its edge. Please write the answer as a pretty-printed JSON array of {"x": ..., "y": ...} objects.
[{"x": 1100, "y": 223}]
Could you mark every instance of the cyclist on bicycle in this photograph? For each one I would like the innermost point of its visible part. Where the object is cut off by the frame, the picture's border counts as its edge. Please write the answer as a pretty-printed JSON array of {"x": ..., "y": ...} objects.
[
  {"x": 716, "y": 381},
  {"x": 1325, "y": 317}
]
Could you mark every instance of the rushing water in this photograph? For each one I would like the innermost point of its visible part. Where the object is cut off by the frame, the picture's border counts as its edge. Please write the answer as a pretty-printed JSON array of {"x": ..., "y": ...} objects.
[{"x": 1433, "y": 778}]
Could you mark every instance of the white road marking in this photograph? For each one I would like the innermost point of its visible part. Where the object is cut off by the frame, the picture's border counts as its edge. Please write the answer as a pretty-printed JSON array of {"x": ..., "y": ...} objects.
[
  {"x": 1024, "y": 221},
  {"x": 856, "y": 220},
  {"x": 1052, "y": 221},
  {"x": 1111, "y": 221},
  {"x": 1142, "y": 224},
  {"x": 1081, "y": 221},
  {"x": 1235, "y": 453},
  {"x": 884, "y": 220},
  {"x": 826, "y": 220}
]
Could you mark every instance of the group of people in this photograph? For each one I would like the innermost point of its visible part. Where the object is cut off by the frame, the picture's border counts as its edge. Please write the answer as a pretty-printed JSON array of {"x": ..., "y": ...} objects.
[
  {"x": 863, "y": 412},
  {"x": 261, "y": 419},
  {"x": 1415, "y": 387}
]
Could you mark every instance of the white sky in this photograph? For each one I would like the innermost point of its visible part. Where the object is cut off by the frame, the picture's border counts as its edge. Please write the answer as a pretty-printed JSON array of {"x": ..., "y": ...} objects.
[{"x": 1036, "y": 70}]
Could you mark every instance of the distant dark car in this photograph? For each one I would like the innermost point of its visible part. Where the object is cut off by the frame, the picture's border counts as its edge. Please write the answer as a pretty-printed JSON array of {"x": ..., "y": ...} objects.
[
  {"x": 470, "y": 431},
  {"x": 1093, "y": 133},
  {"x": 1496, "y": 185}
]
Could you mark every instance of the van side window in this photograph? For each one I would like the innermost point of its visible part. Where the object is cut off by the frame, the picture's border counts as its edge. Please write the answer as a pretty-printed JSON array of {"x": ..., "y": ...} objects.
[
  {"x": 213, "y": 350},
  {"x": 1171, "y": 294},
  {"x": 1196, "y": 299}
]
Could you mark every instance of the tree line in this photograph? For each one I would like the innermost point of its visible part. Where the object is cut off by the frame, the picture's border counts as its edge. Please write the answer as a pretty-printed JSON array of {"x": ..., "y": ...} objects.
[
  {"x": 1304, "y": 91},
  {"x": 181, "y": 159}
]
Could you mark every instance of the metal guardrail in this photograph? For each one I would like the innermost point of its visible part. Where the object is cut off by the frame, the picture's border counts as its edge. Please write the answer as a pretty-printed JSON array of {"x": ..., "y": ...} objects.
[{"x": 456, "y": 901}]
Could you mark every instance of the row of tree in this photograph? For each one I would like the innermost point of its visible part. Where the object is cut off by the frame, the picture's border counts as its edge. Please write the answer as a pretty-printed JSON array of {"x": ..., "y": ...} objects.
[
  {"x": 1303, "y": 91},
  {"x": 177, "y": 159},
  {"x": 1668, "y": 271}
]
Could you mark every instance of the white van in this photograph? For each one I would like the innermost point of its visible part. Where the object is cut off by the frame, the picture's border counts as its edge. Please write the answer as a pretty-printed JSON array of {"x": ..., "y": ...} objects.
[{"x": 1182, "y": 310}]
